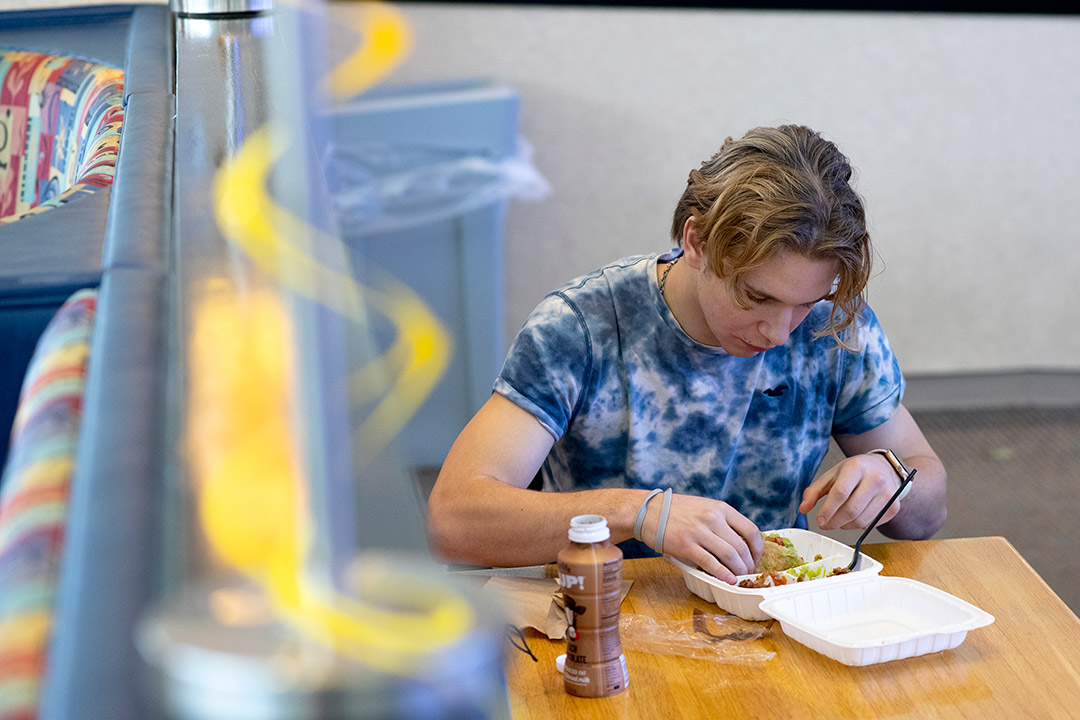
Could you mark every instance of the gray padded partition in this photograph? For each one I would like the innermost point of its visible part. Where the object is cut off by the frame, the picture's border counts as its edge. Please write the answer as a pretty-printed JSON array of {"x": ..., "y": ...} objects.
[
  {"x": 110, "y": 567},
  {"x": 108, "y": 573},
  {"x": 142, "y": 192},
  {"x": 149, "y": 64}
]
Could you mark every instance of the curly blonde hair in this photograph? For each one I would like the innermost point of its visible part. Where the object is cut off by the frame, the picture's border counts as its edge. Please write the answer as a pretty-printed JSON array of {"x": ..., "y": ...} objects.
[{"x": 783, "y": 189}]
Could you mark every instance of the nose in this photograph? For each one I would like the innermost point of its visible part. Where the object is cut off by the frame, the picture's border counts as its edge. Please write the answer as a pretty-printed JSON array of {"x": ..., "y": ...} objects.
[{"x": 777, "y": 326}]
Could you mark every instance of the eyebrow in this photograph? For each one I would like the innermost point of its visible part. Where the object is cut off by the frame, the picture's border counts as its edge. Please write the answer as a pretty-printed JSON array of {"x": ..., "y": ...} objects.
[{"x": 766, "y": 296}]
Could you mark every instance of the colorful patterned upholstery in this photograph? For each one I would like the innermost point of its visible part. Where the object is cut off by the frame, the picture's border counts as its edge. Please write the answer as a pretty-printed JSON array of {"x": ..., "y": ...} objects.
[
  {"x": 33, "y": 500},
  {"x": 60, "y": 123}
]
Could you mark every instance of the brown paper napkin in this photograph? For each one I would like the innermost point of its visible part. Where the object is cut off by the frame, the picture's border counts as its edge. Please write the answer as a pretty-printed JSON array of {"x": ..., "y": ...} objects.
[{"x": 536, "y": 602}]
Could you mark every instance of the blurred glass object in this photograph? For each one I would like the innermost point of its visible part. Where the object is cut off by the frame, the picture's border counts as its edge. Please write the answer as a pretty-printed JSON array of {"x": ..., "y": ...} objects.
[
  {"x": 223, "y": 653},
  {"x": 297, "y": 583}
]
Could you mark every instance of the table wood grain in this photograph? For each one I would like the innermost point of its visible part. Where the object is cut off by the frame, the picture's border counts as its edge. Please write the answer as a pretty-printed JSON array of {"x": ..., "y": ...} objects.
[{"x": 1024, "y": 665}]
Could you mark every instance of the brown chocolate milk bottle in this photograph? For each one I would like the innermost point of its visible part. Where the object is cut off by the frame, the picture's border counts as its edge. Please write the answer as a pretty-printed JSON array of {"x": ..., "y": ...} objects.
[{"x": 590, "y": 573}]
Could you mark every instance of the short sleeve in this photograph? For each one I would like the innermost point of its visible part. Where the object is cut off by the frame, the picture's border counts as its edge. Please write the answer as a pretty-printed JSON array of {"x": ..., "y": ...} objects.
[
  {"x": 871, "y": 385},
  {"x": 549, "y": 364}
]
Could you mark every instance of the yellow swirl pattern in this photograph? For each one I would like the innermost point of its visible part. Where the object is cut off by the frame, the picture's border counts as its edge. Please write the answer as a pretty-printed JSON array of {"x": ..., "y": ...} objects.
[
  {"x": 242, "y": 452},
  {"x": 387, "y": 40}
]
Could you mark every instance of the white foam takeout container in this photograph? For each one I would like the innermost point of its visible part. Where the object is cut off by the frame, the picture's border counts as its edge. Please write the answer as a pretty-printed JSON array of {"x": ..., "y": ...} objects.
[
  {"x": 887, "y": 618},
  {"x": 745, "y": 602},
  {"x": 857, "y": 618}
]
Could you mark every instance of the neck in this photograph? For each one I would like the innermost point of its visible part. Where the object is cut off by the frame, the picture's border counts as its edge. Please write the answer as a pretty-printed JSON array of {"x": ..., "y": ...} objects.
[
  {"x": 683, "y": 307},
  {"x": 664, "y": 275}
]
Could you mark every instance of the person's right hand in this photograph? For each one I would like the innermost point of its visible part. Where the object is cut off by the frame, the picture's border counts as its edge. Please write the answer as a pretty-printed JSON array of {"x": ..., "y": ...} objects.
[{"x": 709, "y": 533}]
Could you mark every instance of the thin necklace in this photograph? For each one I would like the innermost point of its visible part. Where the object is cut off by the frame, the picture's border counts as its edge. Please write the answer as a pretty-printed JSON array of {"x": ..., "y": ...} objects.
[{"x": 663, "y": 278}]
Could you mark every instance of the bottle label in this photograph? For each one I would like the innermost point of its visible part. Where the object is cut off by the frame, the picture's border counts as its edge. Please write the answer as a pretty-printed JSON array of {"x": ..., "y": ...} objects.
[
  {"x": 593, "y": 645},
  {"x": 590, "y": 575},
  {"x": 592, "y": 593},
  {"x": 596, "y": 680}
]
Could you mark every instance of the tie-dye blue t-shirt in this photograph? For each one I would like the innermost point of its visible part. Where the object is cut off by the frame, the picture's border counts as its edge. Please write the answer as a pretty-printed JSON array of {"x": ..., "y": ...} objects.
[{"x": 633, "y": 401}]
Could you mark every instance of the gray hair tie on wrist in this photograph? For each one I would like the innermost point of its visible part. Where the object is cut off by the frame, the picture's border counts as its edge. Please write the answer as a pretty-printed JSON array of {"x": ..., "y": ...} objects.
[
  {"x": 640, "y": 520},
  {"x": 661, "y": 528}
]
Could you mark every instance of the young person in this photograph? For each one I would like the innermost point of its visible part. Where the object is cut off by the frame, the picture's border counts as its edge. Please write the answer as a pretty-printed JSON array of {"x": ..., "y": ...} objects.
[{"x": 718, "y": 370}]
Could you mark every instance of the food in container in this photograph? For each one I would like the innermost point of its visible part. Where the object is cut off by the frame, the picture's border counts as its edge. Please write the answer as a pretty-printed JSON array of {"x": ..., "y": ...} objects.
[
  {"x": 856, "y": 618},
  {"x": 744, "y": 602},
  {"x": 778, "y": 554}
]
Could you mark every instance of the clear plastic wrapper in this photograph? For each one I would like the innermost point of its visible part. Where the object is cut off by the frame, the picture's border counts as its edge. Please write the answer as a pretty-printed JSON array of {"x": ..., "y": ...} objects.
[
  {"x": 704, "y": 636},
  {"x": 377, "y": 186}
]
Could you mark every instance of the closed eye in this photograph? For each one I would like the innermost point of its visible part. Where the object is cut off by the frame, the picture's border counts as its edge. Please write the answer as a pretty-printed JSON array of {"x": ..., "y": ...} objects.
[{"x": 759, "y": 299}]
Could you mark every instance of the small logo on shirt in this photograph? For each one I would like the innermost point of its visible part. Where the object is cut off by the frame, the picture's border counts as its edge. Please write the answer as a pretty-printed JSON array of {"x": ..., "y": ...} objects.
[{"x": 776, "y": 391}]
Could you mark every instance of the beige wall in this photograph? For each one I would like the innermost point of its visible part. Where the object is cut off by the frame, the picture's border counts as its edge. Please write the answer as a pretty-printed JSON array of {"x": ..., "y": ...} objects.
[{"x": 965, "y": 131}]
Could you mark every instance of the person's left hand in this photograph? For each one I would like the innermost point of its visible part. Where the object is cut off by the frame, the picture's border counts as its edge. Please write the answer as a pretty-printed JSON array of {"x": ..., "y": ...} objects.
[{"x": 855, "y": 490}]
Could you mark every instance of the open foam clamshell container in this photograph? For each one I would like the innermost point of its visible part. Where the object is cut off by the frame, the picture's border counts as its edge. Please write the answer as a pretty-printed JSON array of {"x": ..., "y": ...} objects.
[
  {"x": 857, "y": 618},
  {"x": 745, "y": 602}
]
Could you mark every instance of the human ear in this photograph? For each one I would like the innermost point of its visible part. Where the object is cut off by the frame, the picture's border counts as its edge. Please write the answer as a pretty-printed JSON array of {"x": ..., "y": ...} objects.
[{"x": 693, "y": 247}]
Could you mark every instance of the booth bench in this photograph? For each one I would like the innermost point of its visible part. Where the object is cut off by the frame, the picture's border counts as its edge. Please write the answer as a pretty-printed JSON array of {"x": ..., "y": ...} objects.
[{"x": 86, "y": 113}]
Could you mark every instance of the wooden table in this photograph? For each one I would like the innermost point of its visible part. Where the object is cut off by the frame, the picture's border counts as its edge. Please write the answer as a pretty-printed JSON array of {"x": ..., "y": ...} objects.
[{"x": 1024, "y": 665}]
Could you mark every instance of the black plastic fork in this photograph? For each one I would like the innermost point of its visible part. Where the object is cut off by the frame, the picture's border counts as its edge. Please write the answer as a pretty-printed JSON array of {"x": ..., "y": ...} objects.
[{"x": 872, "y": 525}]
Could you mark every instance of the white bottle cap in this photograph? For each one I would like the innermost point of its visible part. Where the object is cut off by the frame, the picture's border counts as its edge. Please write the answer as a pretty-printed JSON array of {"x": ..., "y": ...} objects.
[{"x": 589, "y": 529}]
